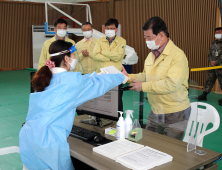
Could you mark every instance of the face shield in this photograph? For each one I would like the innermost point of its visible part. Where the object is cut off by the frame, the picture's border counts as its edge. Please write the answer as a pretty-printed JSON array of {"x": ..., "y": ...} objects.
[{"x": 72, "y": 50}]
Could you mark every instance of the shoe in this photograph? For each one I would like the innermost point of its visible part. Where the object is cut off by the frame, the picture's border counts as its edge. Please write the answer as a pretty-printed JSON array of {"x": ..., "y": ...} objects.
[
  {"x": 202, "y": 97},
  {"x": 220, "y": 102}
]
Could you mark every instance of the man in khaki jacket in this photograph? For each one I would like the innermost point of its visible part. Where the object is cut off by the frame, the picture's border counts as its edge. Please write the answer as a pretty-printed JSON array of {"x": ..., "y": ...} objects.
[
  {"x": 165, "y": 80},
  {"x": 60, "y": 27},
  {"x": 85, "y": 49},
  {"x": 110, "y": 50}
]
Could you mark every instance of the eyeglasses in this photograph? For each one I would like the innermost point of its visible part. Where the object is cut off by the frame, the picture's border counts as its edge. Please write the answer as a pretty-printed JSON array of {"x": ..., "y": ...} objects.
[{"x": 111, "y": 28}]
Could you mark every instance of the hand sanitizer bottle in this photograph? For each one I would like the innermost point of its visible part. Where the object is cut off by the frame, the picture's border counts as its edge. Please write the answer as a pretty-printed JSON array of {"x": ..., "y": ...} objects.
[
  {"x": 120, "y": 127},
  {"x": 128, "y": 122}
]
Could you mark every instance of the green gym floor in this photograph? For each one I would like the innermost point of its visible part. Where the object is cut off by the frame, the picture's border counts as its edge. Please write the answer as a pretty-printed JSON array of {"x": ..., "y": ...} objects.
[{"x": 14, "y": 98}]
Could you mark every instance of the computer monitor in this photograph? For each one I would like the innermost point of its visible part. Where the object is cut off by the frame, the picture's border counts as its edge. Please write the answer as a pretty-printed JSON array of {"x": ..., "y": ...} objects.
[{"x": 102, "y": 108}]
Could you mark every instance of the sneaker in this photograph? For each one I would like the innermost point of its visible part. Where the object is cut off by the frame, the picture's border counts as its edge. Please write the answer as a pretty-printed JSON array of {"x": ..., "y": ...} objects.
[{"x": 202, "y": 97}]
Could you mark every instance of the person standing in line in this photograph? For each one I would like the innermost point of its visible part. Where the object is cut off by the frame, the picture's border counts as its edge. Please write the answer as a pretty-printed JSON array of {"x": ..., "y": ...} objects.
[
  {"x": 164, "y": 79},
  {"x": 110, "y": 50},
  {"x": 60, "y": 28},
  {"x": 85, "y": 49}
]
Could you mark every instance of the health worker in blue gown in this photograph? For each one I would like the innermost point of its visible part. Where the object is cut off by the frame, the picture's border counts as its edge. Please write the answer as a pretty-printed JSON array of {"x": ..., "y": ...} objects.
[{"x": 43, "y": 138}]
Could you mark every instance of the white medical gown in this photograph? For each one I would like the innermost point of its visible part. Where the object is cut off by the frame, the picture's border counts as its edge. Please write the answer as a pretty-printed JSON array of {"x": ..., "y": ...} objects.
[{"x": 43, "y": 138}]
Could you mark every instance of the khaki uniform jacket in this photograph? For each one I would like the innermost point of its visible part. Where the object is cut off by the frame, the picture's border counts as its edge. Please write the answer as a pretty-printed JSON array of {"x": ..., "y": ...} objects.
[
  {"x": 112, "y": 55},
  {"x": 166, "y": 80},
  {"x": 89, "y": 65},
  {"x": 45, "y": 50}
]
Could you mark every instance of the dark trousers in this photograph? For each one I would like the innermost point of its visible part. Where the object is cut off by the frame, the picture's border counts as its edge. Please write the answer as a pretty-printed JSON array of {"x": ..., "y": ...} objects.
[
  {"x": 160, "y": 123},
  {"x": 212, "y": 76}
]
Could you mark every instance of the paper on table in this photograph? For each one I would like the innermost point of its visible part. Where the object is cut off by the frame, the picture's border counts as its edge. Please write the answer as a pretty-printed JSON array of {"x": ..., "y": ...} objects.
[
  {"x": 144, "y": 158},
  {"x": 113, "y": 70},
  {"x": 117, "y": 148}
]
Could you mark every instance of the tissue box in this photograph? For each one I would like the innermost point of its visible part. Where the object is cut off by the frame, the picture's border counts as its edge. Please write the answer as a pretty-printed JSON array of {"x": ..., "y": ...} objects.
[{"x": 135, "y": 134}]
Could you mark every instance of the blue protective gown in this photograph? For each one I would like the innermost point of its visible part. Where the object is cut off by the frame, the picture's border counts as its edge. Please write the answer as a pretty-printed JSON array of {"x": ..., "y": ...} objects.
[{"x": 43, "y": 138}]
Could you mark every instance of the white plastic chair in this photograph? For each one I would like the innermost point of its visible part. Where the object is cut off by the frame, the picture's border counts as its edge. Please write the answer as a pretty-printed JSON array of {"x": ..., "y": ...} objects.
[
  {"x": 203, "y": 117},
  {"x": 12, "y": 149}
]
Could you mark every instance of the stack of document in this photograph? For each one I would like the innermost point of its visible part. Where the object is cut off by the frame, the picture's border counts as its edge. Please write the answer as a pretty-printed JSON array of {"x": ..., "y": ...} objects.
[
  {"x": 113, "y": 70},
  {"x": 133, "y": 155},
  {"x": 119, "y": 147}
]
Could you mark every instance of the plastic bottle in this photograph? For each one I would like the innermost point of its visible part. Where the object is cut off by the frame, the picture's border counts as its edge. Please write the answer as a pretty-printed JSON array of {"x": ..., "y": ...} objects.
[
  {"x": 128, "y": 122},
  {"x": 120, "y": 127}
]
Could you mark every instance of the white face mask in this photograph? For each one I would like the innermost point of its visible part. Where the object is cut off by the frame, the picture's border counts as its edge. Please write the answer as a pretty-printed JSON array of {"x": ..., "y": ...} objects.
[
  {"x": 110, "y": 33},
  {"x": 73, "y": 64},
  {"x": 218, "y": 36},
  {"x": 152, "y": 45},
  {"x": 61, "y": 33},
  {"x": 87, "y": 34}
]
